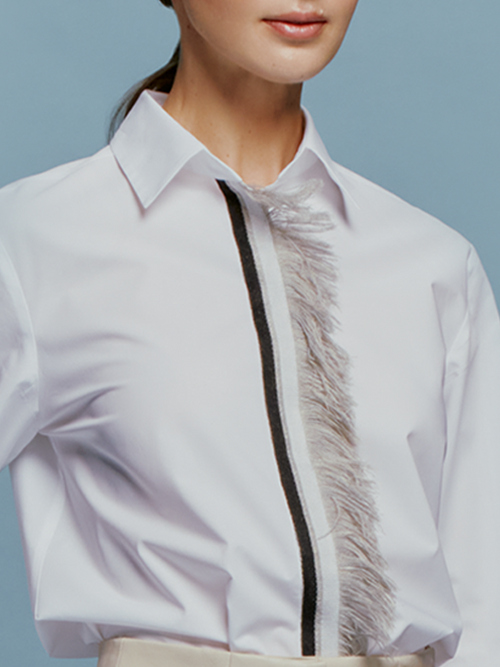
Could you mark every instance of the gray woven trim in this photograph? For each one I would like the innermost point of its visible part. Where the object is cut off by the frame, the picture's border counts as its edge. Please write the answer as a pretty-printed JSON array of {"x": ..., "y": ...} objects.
[{"x": 309, "y": 274}]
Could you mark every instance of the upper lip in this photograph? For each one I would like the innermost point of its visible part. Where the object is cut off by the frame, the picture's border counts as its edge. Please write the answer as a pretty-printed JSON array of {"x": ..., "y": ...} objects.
[{"x": 298, "y": 17}]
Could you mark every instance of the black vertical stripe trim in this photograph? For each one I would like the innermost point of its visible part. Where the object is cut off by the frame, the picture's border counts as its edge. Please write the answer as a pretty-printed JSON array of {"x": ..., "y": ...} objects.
[{"x": 310, "y": 586}]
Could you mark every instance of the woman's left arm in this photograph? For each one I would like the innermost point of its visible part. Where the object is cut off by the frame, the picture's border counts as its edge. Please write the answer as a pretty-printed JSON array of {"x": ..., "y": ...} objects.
[{"x": 469, "y": 520}]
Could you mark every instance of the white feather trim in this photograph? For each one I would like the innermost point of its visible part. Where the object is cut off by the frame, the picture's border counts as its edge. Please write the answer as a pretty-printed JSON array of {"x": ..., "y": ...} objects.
[{"x": 309, "y": 274}]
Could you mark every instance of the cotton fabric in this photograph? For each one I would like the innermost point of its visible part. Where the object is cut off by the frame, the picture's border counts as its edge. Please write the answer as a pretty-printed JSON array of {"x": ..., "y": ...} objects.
[{"x": 134, "y": 418}]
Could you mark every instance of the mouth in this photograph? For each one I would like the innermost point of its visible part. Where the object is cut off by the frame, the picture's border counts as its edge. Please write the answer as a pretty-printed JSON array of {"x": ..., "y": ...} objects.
[{"x": 297, "y": 25}]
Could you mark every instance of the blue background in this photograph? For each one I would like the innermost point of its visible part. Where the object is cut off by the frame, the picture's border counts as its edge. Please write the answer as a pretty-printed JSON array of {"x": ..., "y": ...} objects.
[{"x": 412, "y": 102}]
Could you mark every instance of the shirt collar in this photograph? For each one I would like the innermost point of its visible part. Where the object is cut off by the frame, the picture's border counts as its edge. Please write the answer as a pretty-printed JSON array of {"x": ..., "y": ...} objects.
[{"x": 151, "y": 148}]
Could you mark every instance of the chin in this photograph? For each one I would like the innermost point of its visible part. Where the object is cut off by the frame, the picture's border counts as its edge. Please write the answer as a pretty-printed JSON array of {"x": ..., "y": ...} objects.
[
  {"x": 290, "y": 75},
  {"x": 292, "y": 70}
]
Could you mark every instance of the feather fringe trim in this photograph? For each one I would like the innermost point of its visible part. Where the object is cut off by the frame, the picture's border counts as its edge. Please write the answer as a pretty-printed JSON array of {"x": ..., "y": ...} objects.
[{"x": 309, "y": 274}]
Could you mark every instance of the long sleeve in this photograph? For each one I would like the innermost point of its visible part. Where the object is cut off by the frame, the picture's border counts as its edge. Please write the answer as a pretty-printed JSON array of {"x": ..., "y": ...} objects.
[
  {"x": 18, "y": 366},
  {"x": 470, "y": 501}
]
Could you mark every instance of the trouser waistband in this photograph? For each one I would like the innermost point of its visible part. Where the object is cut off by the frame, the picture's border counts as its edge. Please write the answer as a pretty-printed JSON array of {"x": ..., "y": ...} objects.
[{"x": 128, "y": 652}]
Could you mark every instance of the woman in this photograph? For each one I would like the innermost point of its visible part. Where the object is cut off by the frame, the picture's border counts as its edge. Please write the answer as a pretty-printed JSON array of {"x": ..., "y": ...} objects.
[{"x": 258, "y": 417}]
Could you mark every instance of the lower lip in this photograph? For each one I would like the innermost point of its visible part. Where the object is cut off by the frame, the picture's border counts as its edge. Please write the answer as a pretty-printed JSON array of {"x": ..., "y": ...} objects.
[{"x": 297, "y": 30}]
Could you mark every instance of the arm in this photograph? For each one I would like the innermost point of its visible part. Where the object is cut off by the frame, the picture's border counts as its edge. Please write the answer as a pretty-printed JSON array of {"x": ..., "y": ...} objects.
[
  {"x": 18, "y": 366},
  {"x": 469, "y": 522}
]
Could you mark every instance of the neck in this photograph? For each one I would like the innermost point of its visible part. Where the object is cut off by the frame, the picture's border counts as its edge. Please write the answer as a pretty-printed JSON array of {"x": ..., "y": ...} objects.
[{"x": 253, "y": 125}]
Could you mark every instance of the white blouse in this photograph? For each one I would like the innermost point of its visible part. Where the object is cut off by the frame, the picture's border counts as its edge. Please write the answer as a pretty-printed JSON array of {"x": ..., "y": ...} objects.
[{"x": 158, "y": 416}]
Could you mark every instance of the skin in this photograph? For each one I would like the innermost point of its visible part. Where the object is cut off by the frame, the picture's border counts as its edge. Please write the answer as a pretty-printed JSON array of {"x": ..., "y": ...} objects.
[{"x": 240, "y": 77}]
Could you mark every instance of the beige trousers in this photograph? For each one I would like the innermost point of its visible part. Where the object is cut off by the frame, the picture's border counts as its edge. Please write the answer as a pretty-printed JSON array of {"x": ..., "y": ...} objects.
[{"x": 126, "y": 652}]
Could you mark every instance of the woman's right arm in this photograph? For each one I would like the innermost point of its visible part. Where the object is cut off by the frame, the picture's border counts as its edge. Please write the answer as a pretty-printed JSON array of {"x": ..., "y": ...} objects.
[{"x": 18, "y": 366}]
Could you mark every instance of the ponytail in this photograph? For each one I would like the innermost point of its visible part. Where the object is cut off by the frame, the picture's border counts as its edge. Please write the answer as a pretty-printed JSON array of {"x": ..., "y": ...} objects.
[{"x": 162, "y": 80}]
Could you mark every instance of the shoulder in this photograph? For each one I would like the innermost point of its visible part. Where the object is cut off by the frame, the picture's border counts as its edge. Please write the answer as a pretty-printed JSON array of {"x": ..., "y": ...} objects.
[
  {"x": 42, "y": 208},
  {"x": 58, "y": 190},
  {"x": 408, "y": 254},
  {"x": 391, "y": 236},
  {"x": 77, "y": 172},
  {"x": 381, "y": 212}
]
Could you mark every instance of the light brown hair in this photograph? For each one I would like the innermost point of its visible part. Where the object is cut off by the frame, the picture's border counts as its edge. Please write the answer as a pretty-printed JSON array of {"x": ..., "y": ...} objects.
[{"x": 161, "y": 80}]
